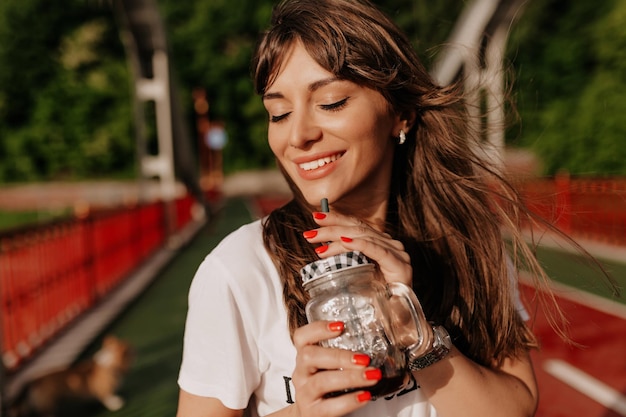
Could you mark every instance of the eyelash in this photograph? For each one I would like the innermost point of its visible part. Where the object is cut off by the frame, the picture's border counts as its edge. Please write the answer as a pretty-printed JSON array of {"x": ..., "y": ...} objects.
[
  {"x": 276, "y": 119},
  {"x": 333, "y": 107}
]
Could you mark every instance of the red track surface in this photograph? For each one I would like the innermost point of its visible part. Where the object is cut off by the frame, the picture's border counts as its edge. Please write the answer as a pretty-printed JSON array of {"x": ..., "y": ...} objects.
[{"x": 602, "y": 354}]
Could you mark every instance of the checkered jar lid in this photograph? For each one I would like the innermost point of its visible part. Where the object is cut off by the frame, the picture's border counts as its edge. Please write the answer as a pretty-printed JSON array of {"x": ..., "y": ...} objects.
[{"x": 342, "y": 261}]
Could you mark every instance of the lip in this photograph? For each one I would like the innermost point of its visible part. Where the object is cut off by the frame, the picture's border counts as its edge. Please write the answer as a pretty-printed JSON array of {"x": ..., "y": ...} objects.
[{"x": 328, "y": 166}]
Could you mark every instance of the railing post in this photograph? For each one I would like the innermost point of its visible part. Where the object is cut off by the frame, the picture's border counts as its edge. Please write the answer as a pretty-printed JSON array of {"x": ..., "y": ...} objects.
[
  {"x": 3, "y": 372},
  {"x": 563, "y": 209}
]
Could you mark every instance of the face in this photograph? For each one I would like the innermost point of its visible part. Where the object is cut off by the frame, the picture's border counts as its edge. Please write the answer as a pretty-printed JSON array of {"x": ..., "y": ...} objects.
[{"x": 334, "y": 138}]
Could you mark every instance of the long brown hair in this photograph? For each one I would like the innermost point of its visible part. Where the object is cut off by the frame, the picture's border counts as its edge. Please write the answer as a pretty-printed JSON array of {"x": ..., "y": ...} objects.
[{"x": 442, "y": 195}]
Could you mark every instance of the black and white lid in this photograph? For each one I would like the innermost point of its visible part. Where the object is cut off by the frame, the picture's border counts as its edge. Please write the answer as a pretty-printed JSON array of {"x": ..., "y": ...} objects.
[{"x": 342, "y": 261}]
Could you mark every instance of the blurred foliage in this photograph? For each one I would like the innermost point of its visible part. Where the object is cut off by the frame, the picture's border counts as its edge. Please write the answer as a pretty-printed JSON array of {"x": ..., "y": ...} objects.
[
  {"x": 65, "y": 98},
  {"x": 571, "y": 84},
  {"x": 65, "y": 104}
]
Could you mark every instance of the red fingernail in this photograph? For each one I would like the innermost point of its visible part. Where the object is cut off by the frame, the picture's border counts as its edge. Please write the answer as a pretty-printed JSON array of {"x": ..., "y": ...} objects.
[
  {"x": 373, "y": 375},
  {"x": 360, "y": 359},
  {"x": 364, "y": 396},
  {"x": 346, "y": 239},
  {"x": 309, "y": 234},
  {"x": 337, "y": 326},
  {"x": 319, "y": 215},
  {"x": 321, "y": 249}
]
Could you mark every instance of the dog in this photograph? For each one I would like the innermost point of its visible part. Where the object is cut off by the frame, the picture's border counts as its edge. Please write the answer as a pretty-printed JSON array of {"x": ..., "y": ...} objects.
[{"x": 95, "y": 379}]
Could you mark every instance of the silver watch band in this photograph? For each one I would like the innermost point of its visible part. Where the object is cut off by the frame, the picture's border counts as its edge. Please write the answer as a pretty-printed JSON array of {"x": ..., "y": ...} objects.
[{"x": 441, "y": 347}]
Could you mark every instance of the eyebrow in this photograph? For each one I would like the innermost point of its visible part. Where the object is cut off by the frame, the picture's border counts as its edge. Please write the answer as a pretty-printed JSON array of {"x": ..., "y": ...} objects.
[{"x": 312, "y": 87}]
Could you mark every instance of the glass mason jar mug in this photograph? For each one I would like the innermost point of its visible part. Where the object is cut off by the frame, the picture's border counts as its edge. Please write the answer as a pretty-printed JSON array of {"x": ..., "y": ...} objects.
[{"x": 382, "y": 320}]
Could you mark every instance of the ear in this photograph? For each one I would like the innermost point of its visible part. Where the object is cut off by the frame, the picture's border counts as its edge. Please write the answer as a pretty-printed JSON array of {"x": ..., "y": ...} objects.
[{"x": 405, "y": 122}]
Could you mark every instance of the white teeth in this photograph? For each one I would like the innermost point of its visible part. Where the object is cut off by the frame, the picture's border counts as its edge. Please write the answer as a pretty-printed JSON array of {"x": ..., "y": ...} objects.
[{"x": 308, "y": 166}]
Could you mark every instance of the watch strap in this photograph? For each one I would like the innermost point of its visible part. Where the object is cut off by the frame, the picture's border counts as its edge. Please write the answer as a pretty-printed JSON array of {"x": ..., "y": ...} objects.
[{"x": 440, "y": 349}]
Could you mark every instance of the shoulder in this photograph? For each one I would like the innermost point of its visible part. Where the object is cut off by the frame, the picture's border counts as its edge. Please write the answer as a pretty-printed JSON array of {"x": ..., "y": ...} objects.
[
  {"x": 239, "y": 262},
  {"x": 243, "y": 246}
]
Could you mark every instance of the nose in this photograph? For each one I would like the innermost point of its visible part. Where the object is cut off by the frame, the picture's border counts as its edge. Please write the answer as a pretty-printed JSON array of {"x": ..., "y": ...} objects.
[{"x": 304, "y": 131}]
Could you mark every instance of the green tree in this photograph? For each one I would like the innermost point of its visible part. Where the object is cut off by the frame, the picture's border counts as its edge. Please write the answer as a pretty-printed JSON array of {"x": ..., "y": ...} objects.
[
  {"x": 571, "y": 85},
  {"x": 64, "y": 92}
]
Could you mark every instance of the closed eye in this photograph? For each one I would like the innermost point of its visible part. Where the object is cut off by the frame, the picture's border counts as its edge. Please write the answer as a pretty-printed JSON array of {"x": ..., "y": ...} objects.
[
  {"x": 276, "y": 119},
  {"x": 335, "y": 106}
]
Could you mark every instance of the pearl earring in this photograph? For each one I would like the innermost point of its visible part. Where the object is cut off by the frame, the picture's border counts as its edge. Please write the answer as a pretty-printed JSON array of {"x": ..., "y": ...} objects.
[{"x": 402, "y": 137}]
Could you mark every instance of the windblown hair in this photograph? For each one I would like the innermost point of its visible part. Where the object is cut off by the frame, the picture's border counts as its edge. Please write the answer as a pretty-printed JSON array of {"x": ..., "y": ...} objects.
[{"x": 442, "y": 201}]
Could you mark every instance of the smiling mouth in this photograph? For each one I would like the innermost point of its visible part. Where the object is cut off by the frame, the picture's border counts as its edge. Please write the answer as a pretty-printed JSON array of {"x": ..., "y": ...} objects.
[{"x": 318, "y": 163}]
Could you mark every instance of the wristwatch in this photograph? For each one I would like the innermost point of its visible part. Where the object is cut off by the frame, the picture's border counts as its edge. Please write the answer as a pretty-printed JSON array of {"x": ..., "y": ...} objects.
[{"x": 440, "y": 348}]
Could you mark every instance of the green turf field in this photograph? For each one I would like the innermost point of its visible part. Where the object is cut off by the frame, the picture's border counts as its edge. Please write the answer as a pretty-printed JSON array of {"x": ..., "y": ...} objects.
[{"x": 582, "y": 272}]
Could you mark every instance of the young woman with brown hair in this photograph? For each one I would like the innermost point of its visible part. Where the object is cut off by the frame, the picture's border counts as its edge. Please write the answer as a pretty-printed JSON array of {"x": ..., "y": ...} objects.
[{"x": 354, "y": 117}]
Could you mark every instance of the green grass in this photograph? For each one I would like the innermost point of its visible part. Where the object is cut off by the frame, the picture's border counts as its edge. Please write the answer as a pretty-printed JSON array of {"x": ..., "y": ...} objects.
[{"x": 582, "y": 272}]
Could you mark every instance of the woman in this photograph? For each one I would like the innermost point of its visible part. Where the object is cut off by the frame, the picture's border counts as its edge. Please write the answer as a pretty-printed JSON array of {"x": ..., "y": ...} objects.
[{"x": 355, "y": 118}]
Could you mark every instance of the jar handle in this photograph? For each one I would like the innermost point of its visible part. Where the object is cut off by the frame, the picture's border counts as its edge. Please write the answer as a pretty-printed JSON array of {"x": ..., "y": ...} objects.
[{"x": 423, "y": 339}]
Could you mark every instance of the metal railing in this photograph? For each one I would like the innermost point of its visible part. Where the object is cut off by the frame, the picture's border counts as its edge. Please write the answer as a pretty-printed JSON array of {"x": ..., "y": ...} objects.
[
  {"x": 593, "y": 209},
  {"x": 50, "y": 274}
]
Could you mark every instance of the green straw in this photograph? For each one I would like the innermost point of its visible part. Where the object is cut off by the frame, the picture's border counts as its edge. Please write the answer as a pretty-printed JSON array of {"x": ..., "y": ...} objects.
[{"x": 324, "y": 204}]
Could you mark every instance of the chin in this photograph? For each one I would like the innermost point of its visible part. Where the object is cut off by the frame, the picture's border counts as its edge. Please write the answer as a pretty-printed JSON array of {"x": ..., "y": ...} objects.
[{"x": 313, "y": 197}]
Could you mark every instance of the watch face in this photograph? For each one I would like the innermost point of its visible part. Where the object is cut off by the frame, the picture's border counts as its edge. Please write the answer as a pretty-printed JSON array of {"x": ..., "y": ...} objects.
[{"x": 442, "y": 336}]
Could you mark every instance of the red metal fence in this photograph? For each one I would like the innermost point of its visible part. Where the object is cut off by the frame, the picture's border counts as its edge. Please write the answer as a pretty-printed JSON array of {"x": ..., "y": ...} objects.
[
  {"x": 593, "y": 209},
  {"x": 52, "y": 273}
]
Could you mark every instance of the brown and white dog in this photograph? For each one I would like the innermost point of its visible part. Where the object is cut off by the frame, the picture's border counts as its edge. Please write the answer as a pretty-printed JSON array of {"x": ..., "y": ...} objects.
[{"x": 97, "y": 378}]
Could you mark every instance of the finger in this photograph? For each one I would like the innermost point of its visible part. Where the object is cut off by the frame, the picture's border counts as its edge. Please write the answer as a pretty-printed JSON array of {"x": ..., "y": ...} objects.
[
  {"x": 313, "y": 333},
  {"x": 336, "y": 218},
  {"x": 336, "y": 392},
  {"x": 394, "y": 246},
  {"x": 323, "y": 237},
  {"x": 375, "y": 247},
  {"x": 393, "y": 262},
  {"x": 332, "y": 383},
  {"x": 336, "y": 406},
  {"x": 312, "y": 358}
]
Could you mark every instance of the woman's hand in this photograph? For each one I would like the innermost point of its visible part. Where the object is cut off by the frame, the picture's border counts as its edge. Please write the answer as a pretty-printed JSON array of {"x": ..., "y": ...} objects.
[
  {"x": 322, "y": 371},
  {"x": 339, "y": 233}
]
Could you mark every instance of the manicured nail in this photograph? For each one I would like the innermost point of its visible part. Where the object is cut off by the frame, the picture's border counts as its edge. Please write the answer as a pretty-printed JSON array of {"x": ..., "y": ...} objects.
[
  {"x": 373, "y": 374},
  {"x": 364, "y": 396},
  {"x": 319, "y": 216},
  {"x": 346, "y": 239},
  {"x": 309, "y": 234},
  {"x": 361, "y": 359},
  {"x": 321, "y": 249},
  {"x": 337, "y": 326}
]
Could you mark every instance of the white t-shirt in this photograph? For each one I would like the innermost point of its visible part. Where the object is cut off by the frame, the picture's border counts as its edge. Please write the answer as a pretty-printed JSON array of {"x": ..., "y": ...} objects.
[{"x": 237, "y": 346}]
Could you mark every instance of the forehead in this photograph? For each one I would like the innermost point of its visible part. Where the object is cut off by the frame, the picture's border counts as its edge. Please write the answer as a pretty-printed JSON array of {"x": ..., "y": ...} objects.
[{"x": 299, "y": 68}]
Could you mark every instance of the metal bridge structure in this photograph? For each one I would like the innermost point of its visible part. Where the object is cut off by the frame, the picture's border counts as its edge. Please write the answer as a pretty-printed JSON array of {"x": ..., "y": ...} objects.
[
  {"x": 144, "y": 37},
  {"x": 475, "y": 52}
]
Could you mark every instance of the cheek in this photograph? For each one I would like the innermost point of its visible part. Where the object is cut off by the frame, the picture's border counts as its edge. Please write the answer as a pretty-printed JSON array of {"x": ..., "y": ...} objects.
[
  {"x": 375, "y": 136},
  {"x": 277, "y": 146}
]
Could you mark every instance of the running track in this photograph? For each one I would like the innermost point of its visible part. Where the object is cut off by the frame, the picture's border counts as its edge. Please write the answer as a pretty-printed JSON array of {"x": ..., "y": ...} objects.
[{"x": 586, "y": 381}]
